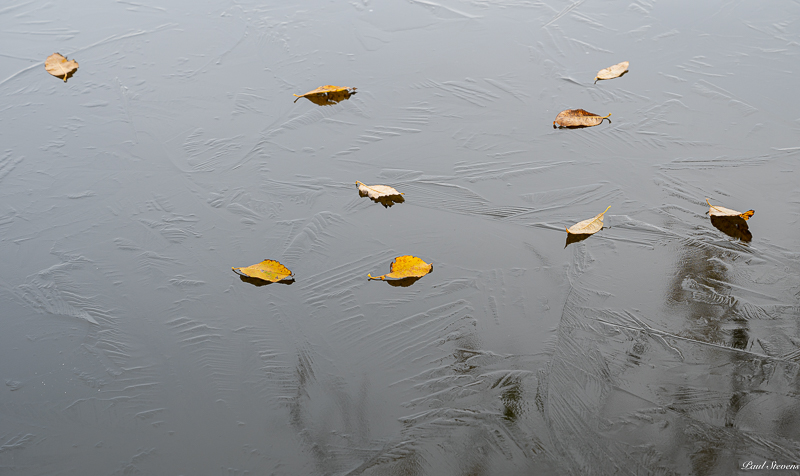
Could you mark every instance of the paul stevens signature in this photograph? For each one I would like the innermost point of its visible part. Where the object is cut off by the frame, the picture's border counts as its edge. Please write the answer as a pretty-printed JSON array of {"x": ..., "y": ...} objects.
[{"x": 768, "y": 465}]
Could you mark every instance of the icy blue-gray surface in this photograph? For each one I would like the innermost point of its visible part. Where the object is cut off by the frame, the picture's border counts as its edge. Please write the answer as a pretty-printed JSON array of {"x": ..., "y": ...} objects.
[{"x": 661, "y": 345}]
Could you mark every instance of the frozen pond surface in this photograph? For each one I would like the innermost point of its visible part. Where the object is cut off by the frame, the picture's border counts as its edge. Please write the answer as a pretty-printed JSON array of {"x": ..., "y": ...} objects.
[{"x": 661, "y": 345}]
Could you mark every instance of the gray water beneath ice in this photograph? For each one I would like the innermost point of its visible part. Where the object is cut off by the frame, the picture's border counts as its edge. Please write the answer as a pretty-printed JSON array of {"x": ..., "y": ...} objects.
[{"x": 660, "y": 345}]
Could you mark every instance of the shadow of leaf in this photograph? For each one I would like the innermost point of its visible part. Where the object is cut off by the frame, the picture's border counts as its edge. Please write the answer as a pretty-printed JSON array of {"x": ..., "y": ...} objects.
[
  {"x": 735, "y": 227},
  {"x": 261, "y": 282},
  {"x": 580, "y": 127},
  {"x": 329, "y": 99},
  {"x": 386, "y": 201},
  {"x": 573, "y": 238},
  {"x": 404, "y": 282}
]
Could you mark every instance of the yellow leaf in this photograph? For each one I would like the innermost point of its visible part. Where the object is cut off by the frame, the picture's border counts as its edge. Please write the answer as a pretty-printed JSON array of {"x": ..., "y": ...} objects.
[
  {"x": 612, "y": 71},
  {"x": 588, "y": 227},
  {"x": 577, "y": 118},
  {"x": 406, "y": 267},
  {"x": 327, "y": 95},
  {"x": 58, "y": 66},
  {"x": 267, "y": 270},
  {"x": 715, "y": 211}
]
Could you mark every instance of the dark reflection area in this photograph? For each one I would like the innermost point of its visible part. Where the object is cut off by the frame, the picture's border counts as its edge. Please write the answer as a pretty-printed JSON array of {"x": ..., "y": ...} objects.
[
  {"x": 580, "y": 127},
  {"x": 403, "y": 283},
  {"x": 512, "y": 398},
  {"x": 387, "y": 201},
  {"x": 740, "y": 337},
  {"x": 574, "y": 238},
  {"x": 329, "y": 99},
  {"x": 701, "y": 294},
  {"x": 735, "y": 227},
  {"x": 703, "y": 377},
  {"x": 261, "y": 282}
]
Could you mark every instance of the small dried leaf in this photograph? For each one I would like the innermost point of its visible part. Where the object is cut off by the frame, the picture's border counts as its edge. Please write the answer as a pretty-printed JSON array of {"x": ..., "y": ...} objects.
[
  {"x": 612, "y": 71},
  {"x": 267, "y": 270},
  {"x": 58, "y": 66},
  {"x": 376, "y": 191},
  {"x": 406, "y": 267},
  {"x": 327, "y": 95},
  {"x": 588, "y": 227},
  {"x": 715, "y": 211},
  {"x": 577, "y": 118}
]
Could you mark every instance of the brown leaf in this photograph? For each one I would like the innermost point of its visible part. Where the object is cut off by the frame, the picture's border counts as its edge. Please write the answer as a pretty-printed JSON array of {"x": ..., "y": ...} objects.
[
  {"x": 404, "y": 267},
  {"x": 715, "y": 211},
  {"x": 327, "y": 95},
  {"x": 268, "y": 270},
  {"x": 588, "y": 227},
  {"x": 578, "y": 118},
  {"x": 612, "y": 71},
  {"x": 58, "y": 66}
]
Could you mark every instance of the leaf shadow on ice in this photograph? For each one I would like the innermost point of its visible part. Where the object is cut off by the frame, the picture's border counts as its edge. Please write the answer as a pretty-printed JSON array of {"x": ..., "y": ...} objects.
[
  {"x": 404, "y": 282},
  {"x": 575, "y": 238},
  {"x": 260, "y": 282},
  {"x": 387, "y": 201},
  {"x": 735, "y": 227}
]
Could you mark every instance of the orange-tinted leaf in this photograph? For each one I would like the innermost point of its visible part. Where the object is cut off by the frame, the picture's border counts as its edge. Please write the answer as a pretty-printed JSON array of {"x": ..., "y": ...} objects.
[
  {"x": 327, "y": 95},
  {"x": 577, "y": 118},
  {"x": 612, "y": 71},
  {"x": 58, "y": 66},
  {"x": 406, "y": 267},
  {"x": 715, "y": 211},
  {"x": 588, "y": 227},
  {"x": 267, "y": 270}
]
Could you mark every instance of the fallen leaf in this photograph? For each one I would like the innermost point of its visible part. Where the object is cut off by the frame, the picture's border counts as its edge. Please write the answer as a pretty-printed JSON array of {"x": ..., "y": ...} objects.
[
  {"x": 612, "y": 71},
  {"x": 327, "y": 95},
  {"x": 406, "y": 267},
  {"x": 727, "y": 212},
  {"x": 383, "y": 194},
  {"x": 376, "y": 191},
  {"x": 578, "y": 118},
  {"x": 58, "y": 66},
  {"x": 588, "y": 227},
  {"x": 267, "y": 270}
]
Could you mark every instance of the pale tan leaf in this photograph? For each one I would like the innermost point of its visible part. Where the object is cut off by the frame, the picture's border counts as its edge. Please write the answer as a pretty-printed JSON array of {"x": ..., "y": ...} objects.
[
  {"x": 577, "y": 118},
  {"x": 612, "y": 71},
  {"x": 376, "y": 191},
  {"x": 716, "y": 211},
  {"x": 58, "y": 66},
  {"x": 588, "y": 227}
]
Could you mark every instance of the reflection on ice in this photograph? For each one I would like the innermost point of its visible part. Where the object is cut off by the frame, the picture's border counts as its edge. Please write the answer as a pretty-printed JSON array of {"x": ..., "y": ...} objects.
[{"x": 735, "y": 227}]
